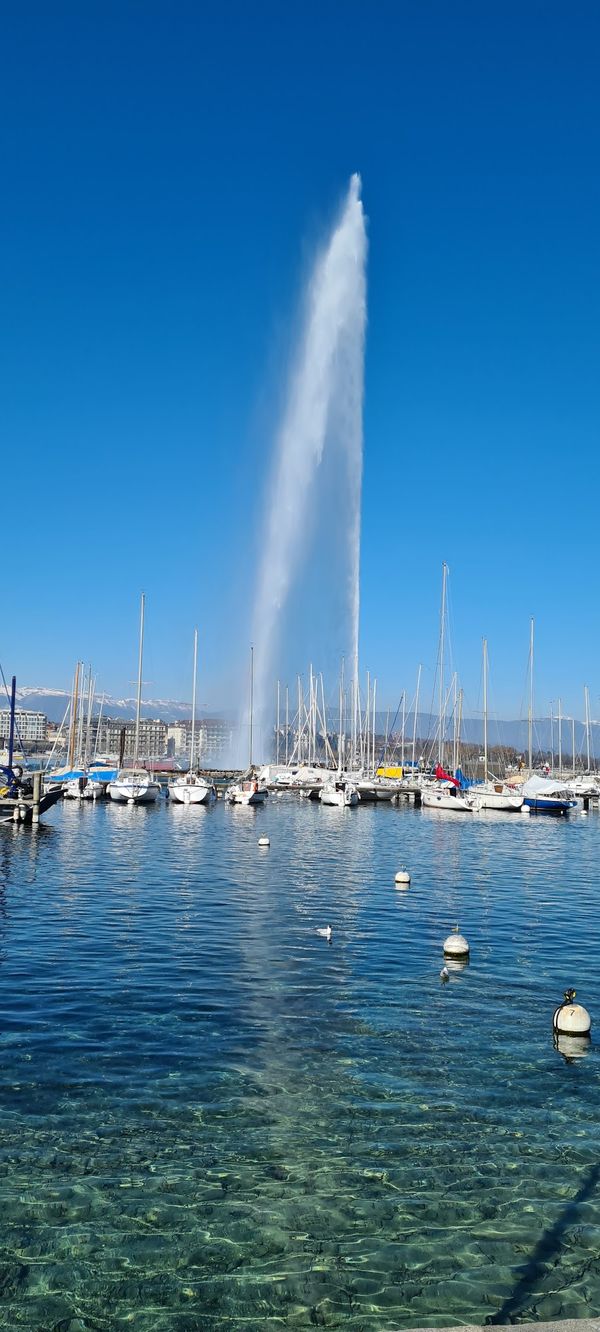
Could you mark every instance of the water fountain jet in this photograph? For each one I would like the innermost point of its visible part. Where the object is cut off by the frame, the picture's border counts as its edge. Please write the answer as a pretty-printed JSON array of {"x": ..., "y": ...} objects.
[{"x": 322, "y": 423}]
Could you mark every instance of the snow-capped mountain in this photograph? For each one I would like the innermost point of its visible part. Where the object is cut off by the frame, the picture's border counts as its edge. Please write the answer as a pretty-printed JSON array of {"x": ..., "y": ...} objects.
[{"x": 54, "y": 702}]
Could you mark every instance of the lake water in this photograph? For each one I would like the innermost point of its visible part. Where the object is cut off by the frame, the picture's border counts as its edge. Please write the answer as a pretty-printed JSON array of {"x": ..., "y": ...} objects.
[{"x": 212, "y": 1119}]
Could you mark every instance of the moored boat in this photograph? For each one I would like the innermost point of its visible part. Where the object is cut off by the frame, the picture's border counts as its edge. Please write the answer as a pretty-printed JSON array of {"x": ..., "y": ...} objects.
[
  {"x": 341, "y": 793},
  {"x": 544, "y": 796},
  {"x": 495, "y": 796},
  {"x": 246, "y": 793},
  {"x": 134, "y": 786},
  {"x": 192, "y": 789},
  {"x": 446, "y": 797}
]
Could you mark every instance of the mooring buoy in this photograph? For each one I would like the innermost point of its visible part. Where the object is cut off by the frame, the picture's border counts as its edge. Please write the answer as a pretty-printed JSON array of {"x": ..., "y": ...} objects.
[
  {"x": 571, "y": 1019},
  {"x": 456, "y": 945}
]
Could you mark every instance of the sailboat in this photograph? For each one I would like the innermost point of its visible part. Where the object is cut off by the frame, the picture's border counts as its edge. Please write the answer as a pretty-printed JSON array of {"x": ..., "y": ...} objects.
[
  {"x": 340, "y": 792},
  {"x": 192, "y": 788},
  {"x": 539, "y": 794},
  {"x": 84, "y": 779},
  {"x": 249, "y": 791},
  {"x": 135, "y": 786},
  {"x": 444, "y": 792},
  {"x": 490, "y": 794}
]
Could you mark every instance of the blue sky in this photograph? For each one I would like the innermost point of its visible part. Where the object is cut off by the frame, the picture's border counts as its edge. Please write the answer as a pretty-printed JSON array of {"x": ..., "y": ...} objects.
[{"x": 167, "y": 172}]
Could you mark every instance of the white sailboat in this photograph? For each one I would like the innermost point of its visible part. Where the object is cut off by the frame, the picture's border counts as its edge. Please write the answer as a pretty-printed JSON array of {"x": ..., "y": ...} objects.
[
  {"x": 443, "y": 793},
  {"x": 192, "y": 788},
  {"x": 249, "y": 791},
  {"x": 340, "y": 792},
  {"x": 490, "y": 794},
  {"x": 135, "y": 786},
  {"x": 443, "y": 796}
]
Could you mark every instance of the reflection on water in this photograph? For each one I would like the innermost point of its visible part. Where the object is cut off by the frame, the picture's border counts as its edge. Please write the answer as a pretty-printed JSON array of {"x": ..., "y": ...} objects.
[{"x": 210, "y": 1117}]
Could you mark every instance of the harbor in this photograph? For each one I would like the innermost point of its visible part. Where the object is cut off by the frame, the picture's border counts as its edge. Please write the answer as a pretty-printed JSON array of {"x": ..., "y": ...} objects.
[{"x": 213, "y": 1114}]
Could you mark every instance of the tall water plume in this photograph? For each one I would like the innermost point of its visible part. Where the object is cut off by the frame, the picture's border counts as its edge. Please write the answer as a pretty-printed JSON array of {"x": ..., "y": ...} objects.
[{"x": 315, "y": 492}]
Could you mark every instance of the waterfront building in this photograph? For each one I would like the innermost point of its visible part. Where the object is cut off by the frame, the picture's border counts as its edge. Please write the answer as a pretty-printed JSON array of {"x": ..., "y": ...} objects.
[
  {"x": 30, "y": 727},
  {"x": 152, "y": 743}
]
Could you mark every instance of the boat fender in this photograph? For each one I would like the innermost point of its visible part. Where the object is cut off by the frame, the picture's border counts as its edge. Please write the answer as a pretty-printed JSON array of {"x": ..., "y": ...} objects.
[{"x": 571, "y": 1019}]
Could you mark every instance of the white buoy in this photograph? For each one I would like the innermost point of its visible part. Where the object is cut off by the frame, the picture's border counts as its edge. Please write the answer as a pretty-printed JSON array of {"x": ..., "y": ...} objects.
[
  {"x": 264, "y": 841},
  {"x": 571, "y": 1019},
  {"x": 326, "y": 933},
  {"x": 402, "y": 876},
  {"x": 584, "y": 813},
  {"x": 525, "y": 809},
  {"x": 456, "y": 945}
]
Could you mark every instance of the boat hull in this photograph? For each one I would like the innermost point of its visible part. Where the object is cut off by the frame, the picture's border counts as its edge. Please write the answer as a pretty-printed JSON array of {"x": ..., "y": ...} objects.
[
  {"x": 342, "y": 797},
  {"x": 246, "y": 793},
  {"x": 548, "y": 805},
  {"x": 192, "y": 793},
  {"x": 134, "y": 793},
  {"x": 500, "y": 800},
  {"x": 439, "y": 800}
]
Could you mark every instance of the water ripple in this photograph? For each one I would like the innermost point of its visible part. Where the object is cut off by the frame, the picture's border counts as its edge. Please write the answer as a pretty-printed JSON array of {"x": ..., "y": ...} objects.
[{"x": 211, "y": 1117}]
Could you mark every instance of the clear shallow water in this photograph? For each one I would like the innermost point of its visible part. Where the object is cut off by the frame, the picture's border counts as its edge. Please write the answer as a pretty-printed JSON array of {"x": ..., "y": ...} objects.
[{"x": 212, "y": 1119}]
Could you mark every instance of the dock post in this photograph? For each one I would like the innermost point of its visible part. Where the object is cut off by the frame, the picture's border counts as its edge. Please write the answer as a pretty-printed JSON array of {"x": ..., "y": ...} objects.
[{"x": 37, "y": 794}]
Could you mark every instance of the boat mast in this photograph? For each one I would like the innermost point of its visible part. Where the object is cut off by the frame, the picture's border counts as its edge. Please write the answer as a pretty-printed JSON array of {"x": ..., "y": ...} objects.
[
  {"x": 277, "y": 732},
  {"x": 442, "y": 701},
  {"x": 73, "y": 727},
  {"x": 138, "y": 705},
  {"x": 193, "y": 735},
  {"x": 403, "y": 728},
  {"x": 81, "y": 717},
  {"x": 97, "y": 744},
  {"x": 414, "y": 738},
  {"x": 573, "y": 743},
  {"x": 485, "y": 719},
  {"x": 11, "y": 732},
  {"x": 251, "y": 699},
  {"x": 373, "y": 729},
  {"x": 90, "y": 709},
  {"x": 586, "y": 694},
  {"x": 460, "y": 712},
  {"x": 559, "y": 738},
  {"x": 287, "y": 723},
  {"x": 300, "y": 721},
  {"x": 310, "y": 714},
  {"x": 341, "y": 725},
  {"x": 530, "y": 715}
]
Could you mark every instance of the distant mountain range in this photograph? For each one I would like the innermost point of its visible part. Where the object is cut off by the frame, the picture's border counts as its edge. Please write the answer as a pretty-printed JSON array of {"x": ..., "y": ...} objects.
[
  {"x": 506, "y": 734},
  {"x": 54, "y": 703}
]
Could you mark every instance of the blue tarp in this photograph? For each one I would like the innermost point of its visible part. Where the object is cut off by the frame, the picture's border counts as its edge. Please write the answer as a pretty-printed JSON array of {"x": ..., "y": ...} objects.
[{"x": 464, "y": 782}]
